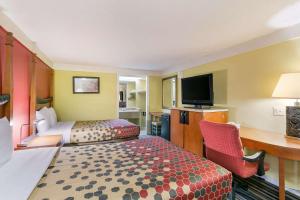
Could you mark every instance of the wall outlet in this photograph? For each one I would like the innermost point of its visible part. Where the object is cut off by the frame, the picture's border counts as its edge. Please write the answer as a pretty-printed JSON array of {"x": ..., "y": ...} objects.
[{"x": 279, "y": 111}]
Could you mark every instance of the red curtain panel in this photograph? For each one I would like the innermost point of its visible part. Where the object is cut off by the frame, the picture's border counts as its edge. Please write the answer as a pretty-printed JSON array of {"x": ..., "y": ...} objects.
[{"x": 21, "y": 90}]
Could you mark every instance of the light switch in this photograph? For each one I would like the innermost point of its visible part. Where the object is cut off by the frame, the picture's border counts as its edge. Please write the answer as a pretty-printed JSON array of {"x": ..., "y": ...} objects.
[{"x": 279, "y": 111}]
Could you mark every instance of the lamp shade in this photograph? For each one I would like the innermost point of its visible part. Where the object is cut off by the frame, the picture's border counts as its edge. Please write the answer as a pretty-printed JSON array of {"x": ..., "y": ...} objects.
[{"x": 288, "y": 86}]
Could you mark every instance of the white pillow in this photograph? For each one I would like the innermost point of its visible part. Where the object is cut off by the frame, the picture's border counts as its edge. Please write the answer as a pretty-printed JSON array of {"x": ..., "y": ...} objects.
[
  {"x": 6, "y": 141},
  {"x": 43, "y": 118},
  {"x": 42, "y": 126},
  {"x": 38, "y": 116},
  {"x": 53, "y": 117},
  {"x": 45, "y": 113}
]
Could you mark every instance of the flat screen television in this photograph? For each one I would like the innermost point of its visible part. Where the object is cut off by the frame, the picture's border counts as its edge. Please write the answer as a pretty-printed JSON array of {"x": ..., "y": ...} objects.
[{"x": 198, "y": 90}]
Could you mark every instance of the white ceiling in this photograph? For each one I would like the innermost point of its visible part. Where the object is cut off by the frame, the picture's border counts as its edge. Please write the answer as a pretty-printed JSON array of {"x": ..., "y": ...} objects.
[{"x": 146, "y": 35}]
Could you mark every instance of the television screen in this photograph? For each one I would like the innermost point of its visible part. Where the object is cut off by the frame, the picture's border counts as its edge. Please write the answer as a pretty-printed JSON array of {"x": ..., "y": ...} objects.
[{"x": 197, "y": 90}]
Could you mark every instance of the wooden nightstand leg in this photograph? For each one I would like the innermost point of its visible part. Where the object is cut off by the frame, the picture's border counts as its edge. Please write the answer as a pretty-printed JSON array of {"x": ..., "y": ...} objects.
[{"x": 281, "y": 178}]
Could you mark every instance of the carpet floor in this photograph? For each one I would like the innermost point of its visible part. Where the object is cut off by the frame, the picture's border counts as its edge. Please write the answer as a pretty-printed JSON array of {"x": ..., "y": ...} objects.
[{"x": 259, "y": 189}]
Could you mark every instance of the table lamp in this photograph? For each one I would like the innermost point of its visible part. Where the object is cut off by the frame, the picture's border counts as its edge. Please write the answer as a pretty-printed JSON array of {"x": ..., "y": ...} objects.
[{"x": 288, "y": 87}]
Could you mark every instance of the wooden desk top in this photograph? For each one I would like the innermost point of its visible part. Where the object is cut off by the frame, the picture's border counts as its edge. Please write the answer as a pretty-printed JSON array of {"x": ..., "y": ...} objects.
[{"x": 276, "y": 144}]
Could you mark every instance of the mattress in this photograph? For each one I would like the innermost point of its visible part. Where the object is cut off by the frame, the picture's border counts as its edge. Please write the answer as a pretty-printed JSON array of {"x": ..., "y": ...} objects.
[
  {"x": 149, "y": 168},
  {"x": 103, "y": 130}
]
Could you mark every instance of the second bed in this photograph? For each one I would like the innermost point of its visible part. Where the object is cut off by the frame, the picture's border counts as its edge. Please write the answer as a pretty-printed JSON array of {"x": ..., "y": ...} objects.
[{"x": 93, "y": 131}]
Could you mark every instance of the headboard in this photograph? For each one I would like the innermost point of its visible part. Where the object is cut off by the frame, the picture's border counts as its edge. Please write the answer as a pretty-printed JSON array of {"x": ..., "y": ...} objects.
[{"x": 43, "y": 102}]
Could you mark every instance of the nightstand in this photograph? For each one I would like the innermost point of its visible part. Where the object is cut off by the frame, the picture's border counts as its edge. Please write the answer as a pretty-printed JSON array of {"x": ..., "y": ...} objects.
[{"x": 41, "y": 141}]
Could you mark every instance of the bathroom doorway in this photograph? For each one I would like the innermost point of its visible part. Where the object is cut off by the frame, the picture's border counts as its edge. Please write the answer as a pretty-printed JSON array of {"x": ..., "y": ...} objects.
[{"x": 133, "y": 100}]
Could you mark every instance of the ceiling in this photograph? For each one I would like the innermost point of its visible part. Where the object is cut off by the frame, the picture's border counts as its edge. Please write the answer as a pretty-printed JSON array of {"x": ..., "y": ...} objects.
[{"x": 146, "y": 35}]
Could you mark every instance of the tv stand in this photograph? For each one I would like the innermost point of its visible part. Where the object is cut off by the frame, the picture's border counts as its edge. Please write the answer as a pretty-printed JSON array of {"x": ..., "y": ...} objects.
[{"x": 185, "y": 130}]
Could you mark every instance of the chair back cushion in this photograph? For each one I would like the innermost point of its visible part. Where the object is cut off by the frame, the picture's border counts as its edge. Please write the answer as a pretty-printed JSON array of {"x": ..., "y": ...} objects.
[
  {"x": 224, "y": 147},
  {"x": 222, "y": 138}
]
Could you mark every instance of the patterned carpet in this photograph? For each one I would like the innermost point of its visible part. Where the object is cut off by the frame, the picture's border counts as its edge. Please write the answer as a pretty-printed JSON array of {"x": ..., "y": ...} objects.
[{"x": 262, "y": 190}]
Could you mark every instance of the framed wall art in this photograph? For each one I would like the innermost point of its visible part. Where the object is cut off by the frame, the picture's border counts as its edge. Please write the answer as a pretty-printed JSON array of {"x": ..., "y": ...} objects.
[{"x": 86, "y": 85}]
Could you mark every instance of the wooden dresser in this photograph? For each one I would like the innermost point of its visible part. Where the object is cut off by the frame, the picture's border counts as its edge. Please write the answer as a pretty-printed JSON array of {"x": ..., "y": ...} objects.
[{"x": 185, "y": 130}]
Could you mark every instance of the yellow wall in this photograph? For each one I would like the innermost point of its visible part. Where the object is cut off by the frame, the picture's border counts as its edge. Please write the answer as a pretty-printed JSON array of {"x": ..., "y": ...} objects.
[
  {"x": 71, "y": 106},
  {"x": 244, "y": 83},
  {"x": 167, "y": 96},
  {"x": 155, "y": 94}
]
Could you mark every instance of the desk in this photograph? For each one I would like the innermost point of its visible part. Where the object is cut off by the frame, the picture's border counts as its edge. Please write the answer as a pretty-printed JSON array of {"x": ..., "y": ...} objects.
[{"x": 275, "y": 144}]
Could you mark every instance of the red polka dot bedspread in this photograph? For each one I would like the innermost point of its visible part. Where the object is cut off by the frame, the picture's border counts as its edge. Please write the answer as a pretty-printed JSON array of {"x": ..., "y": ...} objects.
[{"x": 149, "y": 168}]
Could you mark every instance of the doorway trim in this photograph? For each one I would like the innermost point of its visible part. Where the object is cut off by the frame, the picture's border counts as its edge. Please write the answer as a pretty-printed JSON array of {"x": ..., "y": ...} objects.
[{"x": 147, "y": 96}]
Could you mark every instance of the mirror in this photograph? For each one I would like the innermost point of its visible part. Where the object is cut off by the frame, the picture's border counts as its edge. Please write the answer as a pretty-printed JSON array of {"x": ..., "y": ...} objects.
[{"x": 169, "y": 92}]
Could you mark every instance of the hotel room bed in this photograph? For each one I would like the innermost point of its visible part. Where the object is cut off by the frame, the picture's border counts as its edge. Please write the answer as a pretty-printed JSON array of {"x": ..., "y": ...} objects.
[
  {"x": 149, "y": 168},
  {"x": 94, "y": 131},
  {"x": 19, "y": 176}
]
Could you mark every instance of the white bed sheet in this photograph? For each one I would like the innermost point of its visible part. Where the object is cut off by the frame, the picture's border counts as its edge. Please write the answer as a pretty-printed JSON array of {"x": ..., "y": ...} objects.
[
  {"x": 21, "y": 174},
  {"x": 62, "y": 128}
]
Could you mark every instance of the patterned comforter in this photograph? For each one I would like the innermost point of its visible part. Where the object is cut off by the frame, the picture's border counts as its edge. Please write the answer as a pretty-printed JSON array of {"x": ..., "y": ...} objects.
[
  {"x": 102, "y": 130},
  {"x": 149, "y": 168}
]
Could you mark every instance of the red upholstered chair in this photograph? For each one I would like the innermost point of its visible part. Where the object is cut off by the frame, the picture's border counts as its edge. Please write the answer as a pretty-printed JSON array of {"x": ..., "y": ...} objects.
[{"x": 224, "y": 147}]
